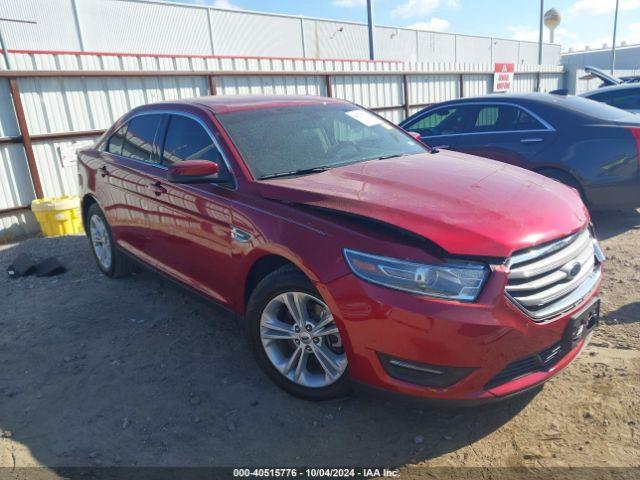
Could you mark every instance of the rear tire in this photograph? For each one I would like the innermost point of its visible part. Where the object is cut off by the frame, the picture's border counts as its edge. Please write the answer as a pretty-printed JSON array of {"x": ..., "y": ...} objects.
[
  {"x": 564, "y": 178},
  {"x": 299, "y": 355},
  {"x": 111, "y": 261}
]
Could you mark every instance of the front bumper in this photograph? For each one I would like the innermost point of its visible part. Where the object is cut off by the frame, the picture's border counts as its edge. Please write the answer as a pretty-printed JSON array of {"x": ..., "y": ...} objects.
[{"x": 485, "y": 336}]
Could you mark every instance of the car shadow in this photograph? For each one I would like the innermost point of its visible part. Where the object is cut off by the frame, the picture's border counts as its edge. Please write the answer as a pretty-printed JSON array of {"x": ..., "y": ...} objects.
[
  {"x": 612, "y": 223},
  {"x": 102, "y": 372},
  {"x": 629, "y": 313}
]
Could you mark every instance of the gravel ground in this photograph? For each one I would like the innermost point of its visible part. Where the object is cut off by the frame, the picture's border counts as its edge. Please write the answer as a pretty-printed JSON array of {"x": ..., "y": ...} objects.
[{"x": 100, "y": 372}]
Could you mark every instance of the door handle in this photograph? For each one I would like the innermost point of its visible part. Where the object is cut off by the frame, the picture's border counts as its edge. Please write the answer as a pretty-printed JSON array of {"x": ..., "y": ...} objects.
[
  {"x": 157, "y": 188},
  {"x": 442, "y": 146},
  {"x": 103, "y": 171},
  {"x": 531, "y": 140}
]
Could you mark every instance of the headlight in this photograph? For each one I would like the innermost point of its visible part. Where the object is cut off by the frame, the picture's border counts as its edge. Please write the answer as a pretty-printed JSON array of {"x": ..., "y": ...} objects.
[{"x": 455, "y": 280}]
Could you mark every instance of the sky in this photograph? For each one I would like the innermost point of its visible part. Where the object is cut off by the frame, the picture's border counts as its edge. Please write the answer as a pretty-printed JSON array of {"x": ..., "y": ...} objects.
[{"x": 584, "y": 22}]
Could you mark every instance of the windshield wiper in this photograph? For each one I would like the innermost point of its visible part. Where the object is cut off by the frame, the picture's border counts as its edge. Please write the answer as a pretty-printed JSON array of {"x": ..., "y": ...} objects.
[
  {"x": 391, "y": 155},
  {"x": 301, "y": 171}
]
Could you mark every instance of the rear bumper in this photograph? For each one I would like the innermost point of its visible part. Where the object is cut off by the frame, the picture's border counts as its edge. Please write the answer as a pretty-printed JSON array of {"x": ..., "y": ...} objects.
[{"x": 485, "y": 337}]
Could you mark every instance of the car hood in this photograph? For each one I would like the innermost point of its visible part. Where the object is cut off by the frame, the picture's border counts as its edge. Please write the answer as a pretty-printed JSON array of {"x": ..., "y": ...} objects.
[{"x": 467, "y": 205}]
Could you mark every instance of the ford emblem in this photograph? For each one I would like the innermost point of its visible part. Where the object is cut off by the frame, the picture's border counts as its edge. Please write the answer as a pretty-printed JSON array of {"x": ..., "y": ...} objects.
[{"x": 575, "y": 269}]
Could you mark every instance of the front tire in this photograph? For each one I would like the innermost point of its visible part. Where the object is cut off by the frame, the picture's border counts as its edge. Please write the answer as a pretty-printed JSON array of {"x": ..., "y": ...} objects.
[
  {"x": 110, "y": 260},
  {"x": 294, "y": 337}
]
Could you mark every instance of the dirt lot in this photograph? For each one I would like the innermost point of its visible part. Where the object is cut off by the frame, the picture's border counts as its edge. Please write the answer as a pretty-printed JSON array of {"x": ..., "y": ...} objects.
[{"x": 97, "y": 372}]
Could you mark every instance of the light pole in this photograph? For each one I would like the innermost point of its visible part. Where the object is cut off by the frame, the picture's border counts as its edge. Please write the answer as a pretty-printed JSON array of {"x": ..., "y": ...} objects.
[
  {"x": 540, "y": 37},
  {"x": 3, "y": 43},
  {"x": 613, "y": 47},
  {"x": 371, "y": 27}
]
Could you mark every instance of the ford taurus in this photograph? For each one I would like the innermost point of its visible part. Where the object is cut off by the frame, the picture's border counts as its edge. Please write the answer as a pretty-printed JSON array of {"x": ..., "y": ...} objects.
[{"x": 353, "y": 254}]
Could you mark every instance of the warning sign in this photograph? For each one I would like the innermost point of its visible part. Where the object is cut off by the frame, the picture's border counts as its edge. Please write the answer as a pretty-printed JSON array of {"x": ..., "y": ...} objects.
[{"x": 503, "y": 77}]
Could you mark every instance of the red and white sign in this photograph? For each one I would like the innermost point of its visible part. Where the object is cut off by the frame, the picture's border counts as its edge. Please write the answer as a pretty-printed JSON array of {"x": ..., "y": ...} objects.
[{"x": 503, "y": 77}]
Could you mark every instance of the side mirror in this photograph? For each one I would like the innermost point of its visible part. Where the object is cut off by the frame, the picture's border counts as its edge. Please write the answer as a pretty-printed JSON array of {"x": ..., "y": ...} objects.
[{"x": 194, "y": 171}]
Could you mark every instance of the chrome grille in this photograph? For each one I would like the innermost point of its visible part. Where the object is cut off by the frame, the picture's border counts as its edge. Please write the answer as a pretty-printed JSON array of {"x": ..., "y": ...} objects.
[{"x": 550, "y": 279}]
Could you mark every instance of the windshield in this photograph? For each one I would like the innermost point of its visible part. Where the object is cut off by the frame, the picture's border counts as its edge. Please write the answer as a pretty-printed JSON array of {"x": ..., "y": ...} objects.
[{"x": 283, "y": 140}]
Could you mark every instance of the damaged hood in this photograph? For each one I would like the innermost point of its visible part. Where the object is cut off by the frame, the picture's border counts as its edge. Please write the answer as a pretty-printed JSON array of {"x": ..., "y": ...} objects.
[{"x": 467, "y": 205}]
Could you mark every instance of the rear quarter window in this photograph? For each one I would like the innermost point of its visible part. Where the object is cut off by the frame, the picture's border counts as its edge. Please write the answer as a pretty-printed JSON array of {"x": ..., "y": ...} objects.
[
  {"x": 628, "y": 98},
  {"x": 595, "y": 109}
]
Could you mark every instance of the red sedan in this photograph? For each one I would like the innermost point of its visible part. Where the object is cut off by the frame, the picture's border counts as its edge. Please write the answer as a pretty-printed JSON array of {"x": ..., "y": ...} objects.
[{"x": 353, "y": 254}]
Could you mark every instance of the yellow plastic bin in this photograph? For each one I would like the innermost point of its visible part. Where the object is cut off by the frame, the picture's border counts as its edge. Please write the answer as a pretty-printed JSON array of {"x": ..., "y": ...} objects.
[{"x": 58, "y": 216}]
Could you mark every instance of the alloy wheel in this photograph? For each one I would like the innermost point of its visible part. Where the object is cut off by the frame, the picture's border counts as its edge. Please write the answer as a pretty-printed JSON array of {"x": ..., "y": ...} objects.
[
  {"x": 301, "y": 340},
  {"x": 100, "y": 241}
]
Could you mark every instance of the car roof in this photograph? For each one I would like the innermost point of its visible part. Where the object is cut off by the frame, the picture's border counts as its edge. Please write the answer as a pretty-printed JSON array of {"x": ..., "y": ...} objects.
[
  {"x": 507, "y": 98},
  {"x": 611, "y": 88},
  {"x": 232, "y": 103},
  {"x": 538, "y": 102}
]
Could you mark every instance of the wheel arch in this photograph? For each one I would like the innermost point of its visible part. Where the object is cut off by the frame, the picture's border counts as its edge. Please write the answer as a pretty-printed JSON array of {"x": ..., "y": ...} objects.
[
  {"x": 549, "y": 171},
  {"x": 261, "y": 262},
  {"x": 262, "y": 265},
  {"x": 85, "y": 204}
]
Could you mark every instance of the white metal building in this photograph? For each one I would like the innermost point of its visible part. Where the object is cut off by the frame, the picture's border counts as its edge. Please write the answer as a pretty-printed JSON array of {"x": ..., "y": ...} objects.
[
  {"x": 85, "y": 63},
  {"x": 160, "y": 27},
  {"x": 627, "y": 58},
  {"x": 627, "y": 63}
]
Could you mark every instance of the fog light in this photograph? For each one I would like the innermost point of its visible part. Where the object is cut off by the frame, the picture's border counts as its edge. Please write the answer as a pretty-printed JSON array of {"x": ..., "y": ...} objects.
[{"x": 421, "y": 373}]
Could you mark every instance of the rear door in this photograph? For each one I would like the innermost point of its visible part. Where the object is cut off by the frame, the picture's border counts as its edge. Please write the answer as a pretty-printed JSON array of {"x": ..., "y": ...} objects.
[{"x": 131, "y": 172}]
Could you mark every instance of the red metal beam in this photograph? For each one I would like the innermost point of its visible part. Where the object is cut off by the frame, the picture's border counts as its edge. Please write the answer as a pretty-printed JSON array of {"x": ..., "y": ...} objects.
[
  {"x": 216, "y": 73},
  {"x": 26, "y": 138},
  {"x": 5, "y": 211},
  {"x": 186, "y": 55}
]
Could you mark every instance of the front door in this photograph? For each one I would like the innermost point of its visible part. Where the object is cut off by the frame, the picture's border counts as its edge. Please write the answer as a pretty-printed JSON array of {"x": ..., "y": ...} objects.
[{"x": 193, "y": 233}]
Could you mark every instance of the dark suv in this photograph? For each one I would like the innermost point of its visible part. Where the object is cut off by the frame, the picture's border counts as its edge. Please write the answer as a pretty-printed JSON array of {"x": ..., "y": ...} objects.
[{"x": 585, "y": 144}]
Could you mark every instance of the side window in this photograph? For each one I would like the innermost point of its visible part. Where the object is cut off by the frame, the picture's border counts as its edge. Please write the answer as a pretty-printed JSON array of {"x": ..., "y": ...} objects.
[
  {"x": 187, "y": 140},
  {"x": 114, "y": 145},
  {"x": 599, "y": 97},
  {"x": 443, "y": 121},
  {"x": 528, "y": 122},
  {"x": 140, "y": 138},
  {"x": 486, "y": 119},
  {"x": 625, "y": 99},
  {"x": 504, "y": 118}
]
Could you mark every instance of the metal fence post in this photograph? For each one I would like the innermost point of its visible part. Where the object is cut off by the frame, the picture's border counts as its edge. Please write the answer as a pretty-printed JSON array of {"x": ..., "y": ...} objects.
[
  {"x": 328, "y": 86},
  {"x": 405, "y": 84},
  {"x": 213, "y": 86},
  {"x": 26, "y": 138},
  {"x": 539, "y": 81}
]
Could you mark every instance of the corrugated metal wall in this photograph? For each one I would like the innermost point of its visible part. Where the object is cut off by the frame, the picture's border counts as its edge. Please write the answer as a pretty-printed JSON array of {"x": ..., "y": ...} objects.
[
  {"x": 151, "y": 27},
  {"x": 66, "y": 104}
]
